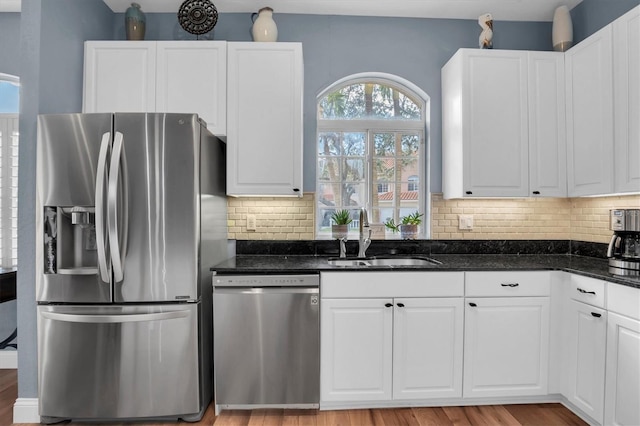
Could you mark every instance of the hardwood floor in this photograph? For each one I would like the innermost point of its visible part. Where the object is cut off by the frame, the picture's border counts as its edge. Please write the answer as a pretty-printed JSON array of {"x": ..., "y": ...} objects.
[{"x": 484, "y": 415}]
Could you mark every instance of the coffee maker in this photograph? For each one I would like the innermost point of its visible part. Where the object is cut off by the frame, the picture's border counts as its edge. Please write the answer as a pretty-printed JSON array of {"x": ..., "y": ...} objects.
[{"x": 624, "y": 248}]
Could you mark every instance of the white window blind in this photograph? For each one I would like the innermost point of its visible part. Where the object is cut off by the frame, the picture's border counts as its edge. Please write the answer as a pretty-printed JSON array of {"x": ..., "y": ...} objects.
[{"x": 8, "y": 190}]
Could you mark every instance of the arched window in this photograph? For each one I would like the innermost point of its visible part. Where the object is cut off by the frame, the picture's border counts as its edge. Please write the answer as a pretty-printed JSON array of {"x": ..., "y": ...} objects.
[{"x": 371, "y": 150}]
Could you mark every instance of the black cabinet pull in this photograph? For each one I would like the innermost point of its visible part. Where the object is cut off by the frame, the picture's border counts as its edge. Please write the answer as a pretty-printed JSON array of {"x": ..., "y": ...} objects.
[
  {"x": 510, "y": 284},
  {"x": 595, "y": 314},
  {"x": 536, "y": 192},
  {"x": 388, "y": 305},
  {"x": 296, "y": 189},
  {"x": 400, "y": 305},
  {"x": 585, "y": 291},
  {"x": 468, "y": 192},
  {"x": 472, "y": 304}
]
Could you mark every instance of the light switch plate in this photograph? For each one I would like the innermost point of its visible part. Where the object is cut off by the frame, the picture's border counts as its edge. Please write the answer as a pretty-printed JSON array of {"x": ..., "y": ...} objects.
[{"x": 465, "y": 222}]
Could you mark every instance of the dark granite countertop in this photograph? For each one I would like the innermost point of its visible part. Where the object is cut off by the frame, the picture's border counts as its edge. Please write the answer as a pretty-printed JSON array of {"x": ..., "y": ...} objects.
[{"x": 301, "y": 264}]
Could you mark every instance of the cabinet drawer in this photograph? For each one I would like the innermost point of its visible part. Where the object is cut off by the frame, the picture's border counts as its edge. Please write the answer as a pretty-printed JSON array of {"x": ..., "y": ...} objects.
[
  {"x": 623, "y": 300},
  {"x": 587, "y": 290},
  {"x": 508, "y": 283},
  {"x": 391, "y": 284}
]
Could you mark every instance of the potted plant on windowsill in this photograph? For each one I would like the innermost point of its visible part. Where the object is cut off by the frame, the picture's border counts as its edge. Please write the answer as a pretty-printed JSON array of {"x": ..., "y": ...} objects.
[
  {"x": 408, "y": 225},
  {"x": 340, "y": 226}
]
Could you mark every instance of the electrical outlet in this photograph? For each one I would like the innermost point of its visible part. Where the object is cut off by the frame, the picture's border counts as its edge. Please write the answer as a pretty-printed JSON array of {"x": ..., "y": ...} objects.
[
  {"x": 251, "y": 222},
  {"x": 465, "y": 222}
]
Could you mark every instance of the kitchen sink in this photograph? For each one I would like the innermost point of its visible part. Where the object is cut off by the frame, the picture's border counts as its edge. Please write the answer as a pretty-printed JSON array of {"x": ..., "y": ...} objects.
[{"x": 392, "y": 261}]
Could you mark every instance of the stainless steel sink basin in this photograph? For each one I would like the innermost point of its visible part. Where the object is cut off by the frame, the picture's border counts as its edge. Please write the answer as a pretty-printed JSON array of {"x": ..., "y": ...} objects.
[{"x": 395, "y": 261}]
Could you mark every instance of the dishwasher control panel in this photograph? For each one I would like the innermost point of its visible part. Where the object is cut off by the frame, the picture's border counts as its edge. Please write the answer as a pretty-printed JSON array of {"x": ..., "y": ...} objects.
[{"x": 266, "y": 280}]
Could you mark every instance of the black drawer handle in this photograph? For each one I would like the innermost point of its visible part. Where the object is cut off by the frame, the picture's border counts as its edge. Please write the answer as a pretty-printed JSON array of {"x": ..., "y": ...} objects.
[
  {"x": 596, "y": 314},
  {"x": 468, "y": 192},
  {"x": 536, "y": 192},
  {"x": 296, "y": 189},
  {"x": 400, "y": 305},
  {"x": 473, "y": 305},
  {"x": 510, "y": 284},
  {"x": 388, "y": 305},
  {"x": 585, "y": 291}
]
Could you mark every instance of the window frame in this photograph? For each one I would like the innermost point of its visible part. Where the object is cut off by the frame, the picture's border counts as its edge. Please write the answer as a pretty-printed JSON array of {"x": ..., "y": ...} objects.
[{"x": 374, "y": 125}]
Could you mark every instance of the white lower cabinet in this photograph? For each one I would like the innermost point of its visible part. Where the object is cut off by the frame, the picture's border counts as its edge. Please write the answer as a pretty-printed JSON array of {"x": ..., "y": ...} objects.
[
  {"x": 427, "y": 348},
  {"x": 356, "y": 336},
  {"x": 378, "y": 343},
  {"x": 622, "y": 389},
  {"x": 384, "y": 349},
  {"x": 506, "y": 346},
  {"x": 585, "y": 363}
]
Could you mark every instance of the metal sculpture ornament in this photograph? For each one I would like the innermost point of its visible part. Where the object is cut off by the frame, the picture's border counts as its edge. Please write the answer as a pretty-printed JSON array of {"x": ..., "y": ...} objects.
[{"x": 197, "y": 16}]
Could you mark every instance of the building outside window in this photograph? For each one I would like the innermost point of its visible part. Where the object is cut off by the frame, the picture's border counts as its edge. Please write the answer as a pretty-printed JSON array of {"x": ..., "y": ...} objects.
[{"x": 371, "y": 150}]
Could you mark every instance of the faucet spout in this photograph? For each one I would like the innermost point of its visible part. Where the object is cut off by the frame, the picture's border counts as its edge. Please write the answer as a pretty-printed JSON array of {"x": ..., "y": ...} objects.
[{"x": 364, "y": 239}]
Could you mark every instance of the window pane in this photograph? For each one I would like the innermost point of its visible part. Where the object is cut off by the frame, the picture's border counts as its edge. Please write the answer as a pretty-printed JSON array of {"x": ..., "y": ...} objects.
[
  {"x": 368, "y": 101},
  {"x": 410, "y": 144},
  {"x": 329, "y": 143},
  {"x": 328, "y": 169},
  {"x": 354, "y": 143},
  {"x": 353, "y": 170},
  {"x": 384, "y": 144}
]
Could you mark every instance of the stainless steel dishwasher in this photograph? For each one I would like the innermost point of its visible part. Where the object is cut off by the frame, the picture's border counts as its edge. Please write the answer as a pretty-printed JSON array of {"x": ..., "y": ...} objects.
[{"x": 266, "y": 341}]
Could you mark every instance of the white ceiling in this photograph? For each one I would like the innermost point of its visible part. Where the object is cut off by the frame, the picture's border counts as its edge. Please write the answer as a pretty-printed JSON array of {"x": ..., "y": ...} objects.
[{"x": 502, "y": 10}]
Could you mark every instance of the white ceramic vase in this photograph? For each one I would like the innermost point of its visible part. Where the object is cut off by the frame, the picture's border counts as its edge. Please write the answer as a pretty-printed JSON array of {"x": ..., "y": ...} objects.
[
  {"x": 264, "y": 27},
  {"x": 562, "y": 31}
]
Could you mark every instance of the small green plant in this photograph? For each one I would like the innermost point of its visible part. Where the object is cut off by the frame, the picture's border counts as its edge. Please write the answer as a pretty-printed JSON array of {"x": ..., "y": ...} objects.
[
  {"x": 341, "y": 217},
  {"x": 414, "y": 218}
]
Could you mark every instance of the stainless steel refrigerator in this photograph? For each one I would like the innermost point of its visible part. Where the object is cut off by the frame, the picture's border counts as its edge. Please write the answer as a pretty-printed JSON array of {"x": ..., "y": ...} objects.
[{"x": 130, "y": 216}]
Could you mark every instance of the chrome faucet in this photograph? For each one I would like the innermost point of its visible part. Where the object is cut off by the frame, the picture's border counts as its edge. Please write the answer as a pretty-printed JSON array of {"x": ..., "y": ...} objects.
[
  {"x": 343, "y": 246},
  {"x": 365, "y": 233}
]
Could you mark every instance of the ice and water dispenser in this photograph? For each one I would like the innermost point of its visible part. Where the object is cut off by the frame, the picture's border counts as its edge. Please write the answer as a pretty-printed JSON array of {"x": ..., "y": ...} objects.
[{"x": 70, "y": 241}]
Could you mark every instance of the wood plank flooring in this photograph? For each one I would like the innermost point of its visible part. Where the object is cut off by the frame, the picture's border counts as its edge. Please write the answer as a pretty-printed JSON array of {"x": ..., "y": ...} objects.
[{"x": 484, "y": 415}]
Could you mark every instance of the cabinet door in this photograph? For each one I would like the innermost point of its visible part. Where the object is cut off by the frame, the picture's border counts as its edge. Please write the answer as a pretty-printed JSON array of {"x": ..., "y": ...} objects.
[
  {"x": 547, "y": 127},
  {"x": 587, "y": 331},
  {"x": 119, "y": 76},
  {"x": 356, "y": 349},
  {"x": 590, "y": 115},
  {"x": 622, "y": 391},
  {"x": 264, "y": 117},
  {"x": 495, "y": 124},
  {"x": 192, "y": 78},
  {"x": 626, "y": 84},
  {"x": 427, "y": 348},
  {"x": 506, "y": 346}
]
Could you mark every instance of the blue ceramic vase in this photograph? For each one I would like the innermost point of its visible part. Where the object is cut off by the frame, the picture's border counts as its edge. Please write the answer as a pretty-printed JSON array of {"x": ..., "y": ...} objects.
[{"x": 134, "y": 22}]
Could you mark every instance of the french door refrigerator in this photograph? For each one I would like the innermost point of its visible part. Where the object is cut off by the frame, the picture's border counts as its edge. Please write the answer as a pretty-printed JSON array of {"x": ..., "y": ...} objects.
[{"x": 130, "y": 216}]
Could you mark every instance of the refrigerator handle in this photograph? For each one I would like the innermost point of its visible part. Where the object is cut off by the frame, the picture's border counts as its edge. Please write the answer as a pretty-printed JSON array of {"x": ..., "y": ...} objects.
[
  {"x": 112, "y": 209},
  {"x": 103, "y": 265},
  {"x": 115, "y": 318}
]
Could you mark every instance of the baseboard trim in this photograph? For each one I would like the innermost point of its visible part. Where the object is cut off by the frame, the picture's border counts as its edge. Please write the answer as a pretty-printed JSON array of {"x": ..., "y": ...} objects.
[
  {"x": 25, "y": 410},
  {"x": 8, "y": 359}
]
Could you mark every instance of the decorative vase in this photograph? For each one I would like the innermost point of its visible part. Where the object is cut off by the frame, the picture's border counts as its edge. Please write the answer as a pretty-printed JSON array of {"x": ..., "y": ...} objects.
[
  {"x": 562, "y": 31},
  {"x": 264, "y": 27},
  {"x": 408, "y": 232},
  {"x": 134, "y": 22},
  {"x": 339, "y": 232}
]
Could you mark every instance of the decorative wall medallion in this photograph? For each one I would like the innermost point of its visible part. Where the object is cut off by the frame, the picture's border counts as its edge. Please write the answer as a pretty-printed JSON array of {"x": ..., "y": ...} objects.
[{"x": 197, "y": 16}]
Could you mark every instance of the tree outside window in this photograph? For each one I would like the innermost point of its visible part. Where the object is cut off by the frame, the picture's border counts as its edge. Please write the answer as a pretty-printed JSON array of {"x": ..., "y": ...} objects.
[{"x": 371, "y": 143}]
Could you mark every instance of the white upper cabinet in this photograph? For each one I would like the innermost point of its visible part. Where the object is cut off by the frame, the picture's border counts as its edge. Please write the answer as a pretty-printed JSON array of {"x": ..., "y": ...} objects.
[
  {"x": 626, "y": 98},
  {"x": 264, "y": 119},
  {"x": 503, "y": 122},
  {"x": 590, "y": 115},
  {"x": 157, "y": 76},
  {"x": 119, "y": 76},
  {"x": 547, "y": 129},
  {"x": 192, "y": 77}
]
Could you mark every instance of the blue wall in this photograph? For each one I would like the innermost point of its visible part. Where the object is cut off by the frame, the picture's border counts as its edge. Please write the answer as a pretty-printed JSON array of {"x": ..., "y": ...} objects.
[
  {"x": 591, "y": 15},
  {"x": 9, "y": 45},
  {"x": 51, "y": 77}
]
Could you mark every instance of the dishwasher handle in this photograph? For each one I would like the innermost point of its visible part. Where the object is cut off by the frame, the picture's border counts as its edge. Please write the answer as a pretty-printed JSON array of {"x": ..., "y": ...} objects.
[{"x": 266, "y": 290}]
